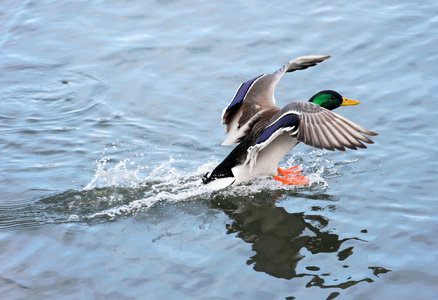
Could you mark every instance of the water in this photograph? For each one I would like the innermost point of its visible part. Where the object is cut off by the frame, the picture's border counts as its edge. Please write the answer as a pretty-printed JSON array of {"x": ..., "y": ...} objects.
[{"x": 110, "y": 112}]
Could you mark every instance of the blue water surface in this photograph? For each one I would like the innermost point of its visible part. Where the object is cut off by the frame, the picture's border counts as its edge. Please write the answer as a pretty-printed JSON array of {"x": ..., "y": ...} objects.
[{"x": 110, "y": 113}]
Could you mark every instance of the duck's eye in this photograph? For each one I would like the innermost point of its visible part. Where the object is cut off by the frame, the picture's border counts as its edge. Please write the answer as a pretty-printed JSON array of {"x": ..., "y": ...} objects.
[{"x": 333, "y": 98}]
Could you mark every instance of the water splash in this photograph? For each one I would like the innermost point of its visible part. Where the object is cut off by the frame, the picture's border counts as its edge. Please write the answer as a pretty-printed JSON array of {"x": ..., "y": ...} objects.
[
  {"x": 166, "y": 183},
  {"x": 126, "y": 188},
  {"x": 119, "y": 175}
]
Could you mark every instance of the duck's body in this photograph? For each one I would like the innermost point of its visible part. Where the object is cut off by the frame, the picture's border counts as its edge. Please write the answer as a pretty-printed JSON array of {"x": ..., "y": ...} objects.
[{"x": 266, "y": 133}]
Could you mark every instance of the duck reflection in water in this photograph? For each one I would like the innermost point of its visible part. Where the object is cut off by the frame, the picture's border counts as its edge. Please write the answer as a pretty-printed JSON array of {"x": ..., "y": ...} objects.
[{"x": 278, "y": 236}]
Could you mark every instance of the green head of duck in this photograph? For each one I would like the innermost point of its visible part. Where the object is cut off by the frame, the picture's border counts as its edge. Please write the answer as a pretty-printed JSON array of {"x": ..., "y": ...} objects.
[{"x": 331, "y": 100}]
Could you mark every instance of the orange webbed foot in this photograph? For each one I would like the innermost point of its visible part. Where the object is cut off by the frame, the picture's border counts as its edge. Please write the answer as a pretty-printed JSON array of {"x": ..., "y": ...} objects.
[
  {"x": 287, "y": 172},
  {"x": 291, "y": 176},
  {"x": 295, "y": 180}
]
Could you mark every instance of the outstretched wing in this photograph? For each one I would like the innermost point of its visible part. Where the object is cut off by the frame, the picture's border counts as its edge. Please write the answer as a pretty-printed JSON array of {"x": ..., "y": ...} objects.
[
  {"x": 324, "y": 129},
  {"x": 256, "y": 95},
  {"x": 313, "y": 125}
]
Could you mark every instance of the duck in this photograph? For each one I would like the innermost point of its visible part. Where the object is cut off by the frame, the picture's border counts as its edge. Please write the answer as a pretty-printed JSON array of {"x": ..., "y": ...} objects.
[{"x": 264, "y": 133}]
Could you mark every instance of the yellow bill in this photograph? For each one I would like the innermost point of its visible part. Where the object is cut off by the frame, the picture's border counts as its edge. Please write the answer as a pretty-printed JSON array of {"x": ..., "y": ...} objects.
[{"x": 346, "y": 101}]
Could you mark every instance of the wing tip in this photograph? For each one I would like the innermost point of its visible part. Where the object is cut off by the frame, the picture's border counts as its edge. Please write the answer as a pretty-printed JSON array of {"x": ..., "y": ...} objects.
[
  {"x": 371, "y": 133},
  {"x": 304, "y": 62}
]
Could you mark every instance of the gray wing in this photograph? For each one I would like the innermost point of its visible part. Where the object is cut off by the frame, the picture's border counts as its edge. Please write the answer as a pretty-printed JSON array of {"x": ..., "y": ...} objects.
[
  {"x": 324, "y": 129},
  {"x": 313, "y": 125},
  {"x": 256, "y": 95}
]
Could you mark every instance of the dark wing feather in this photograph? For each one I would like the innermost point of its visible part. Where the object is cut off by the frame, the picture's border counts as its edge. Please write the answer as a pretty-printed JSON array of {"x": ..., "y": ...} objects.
[
  {"x": 286, "y": 121},
  {"x": 236, "y": 103}
]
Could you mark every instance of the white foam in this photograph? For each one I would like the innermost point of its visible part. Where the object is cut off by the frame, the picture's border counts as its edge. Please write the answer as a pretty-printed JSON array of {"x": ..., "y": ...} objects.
[
  {"x": 118, "y": 175},
  {"x": 166, "y": 183}
]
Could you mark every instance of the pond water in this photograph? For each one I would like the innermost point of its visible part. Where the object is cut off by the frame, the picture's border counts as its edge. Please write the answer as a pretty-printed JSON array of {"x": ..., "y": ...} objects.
[{"x": 110, "y": 113}]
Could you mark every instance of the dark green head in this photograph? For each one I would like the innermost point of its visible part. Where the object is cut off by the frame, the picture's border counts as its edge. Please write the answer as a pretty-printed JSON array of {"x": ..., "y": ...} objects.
[{"x": 331, "y": 100}]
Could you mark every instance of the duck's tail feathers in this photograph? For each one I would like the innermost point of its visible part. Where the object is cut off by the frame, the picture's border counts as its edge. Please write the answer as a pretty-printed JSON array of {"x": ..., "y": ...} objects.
[{"x": 217, "y": 183}]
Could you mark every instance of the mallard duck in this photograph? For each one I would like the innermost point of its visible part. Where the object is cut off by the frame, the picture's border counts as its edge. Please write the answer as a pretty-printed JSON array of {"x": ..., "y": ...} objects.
[{"x": 266, "y": 133}]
